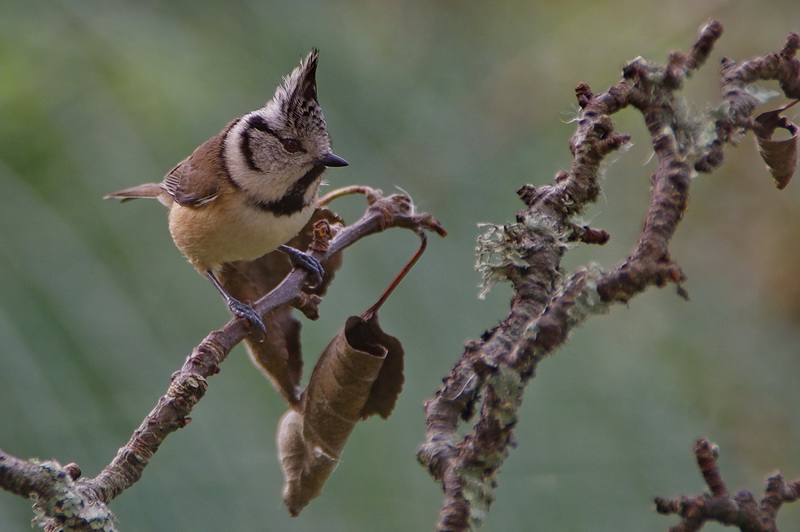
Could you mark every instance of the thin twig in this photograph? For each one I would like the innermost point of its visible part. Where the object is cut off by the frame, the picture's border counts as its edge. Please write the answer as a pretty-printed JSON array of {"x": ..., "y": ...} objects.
[{"x": 740, "y": 510}]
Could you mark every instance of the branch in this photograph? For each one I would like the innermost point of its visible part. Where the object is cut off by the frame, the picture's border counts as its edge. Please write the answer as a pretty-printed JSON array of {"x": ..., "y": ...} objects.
[
  {"x": 79, "y": 503},
  {"x": 739, "y": 510},
  {"x": 547, "y": 304},
  {"x": 55, "y": 494}
]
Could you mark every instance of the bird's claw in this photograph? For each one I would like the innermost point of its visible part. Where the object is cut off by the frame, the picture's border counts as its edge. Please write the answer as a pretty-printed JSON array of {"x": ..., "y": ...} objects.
[
  {"x": 243, "y": 310},
  {"x": 300, "y": 259}
]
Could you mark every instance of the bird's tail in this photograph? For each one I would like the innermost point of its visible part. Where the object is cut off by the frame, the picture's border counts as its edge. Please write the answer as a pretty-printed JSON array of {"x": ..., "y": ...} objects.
[{"x": 148, "y": 190}]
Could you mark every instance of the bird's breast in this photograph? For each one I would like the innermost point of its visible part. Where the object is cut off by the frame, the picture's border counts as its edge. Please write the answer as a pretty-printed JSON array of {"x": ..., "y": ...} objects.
[{"x": 230, "y": 229}]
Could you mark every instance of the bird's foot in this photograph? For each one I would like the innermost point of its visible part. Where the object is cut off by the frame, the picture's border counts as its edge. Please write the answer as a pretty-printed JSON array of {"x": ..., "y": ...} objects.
[
  {"x": 243, "y": 310},
  {"x": 301, "y": 259}
]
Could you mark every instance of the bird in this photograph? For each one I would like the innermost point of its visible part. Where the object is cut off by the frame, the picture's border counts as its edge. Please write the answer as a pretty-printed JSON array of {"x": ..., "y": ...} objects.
[{"x": 252, "y": 187}]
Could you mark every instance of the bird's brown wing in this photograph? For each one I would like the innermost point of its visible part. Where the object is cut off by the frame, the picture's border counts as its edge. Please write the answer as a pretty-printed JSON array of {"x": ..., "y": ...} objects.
[
  {"x": 196, "y": 181},
  {"x": 188, "y": 187}
]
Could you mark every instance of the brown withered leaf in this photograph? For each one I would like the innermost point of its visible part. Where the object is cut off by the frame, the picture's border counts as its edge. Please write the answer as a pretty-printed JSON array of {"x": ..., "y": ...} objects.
[
  {"x": 278, "y": 355},
  {"x": 358, "y": 374},
  {"x": 780, "y": 155},
  {"x": 367, "y": 335}
]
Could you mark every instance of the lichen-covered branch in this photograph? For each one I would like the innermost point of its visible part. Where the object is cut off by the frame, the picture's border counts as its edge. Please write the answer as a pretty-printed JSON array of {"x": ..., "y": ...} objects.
[{"x": 547, "y": 304}]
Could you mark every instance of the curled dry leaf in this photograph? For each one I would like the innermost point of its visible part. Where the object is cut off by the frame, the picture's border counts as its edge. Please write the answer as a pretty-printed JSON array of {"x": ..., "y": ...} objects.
[
  {"x": 780, "y": 155},
  {"x": 278, "y": 355},
  {"x": 359, "y": 374}
]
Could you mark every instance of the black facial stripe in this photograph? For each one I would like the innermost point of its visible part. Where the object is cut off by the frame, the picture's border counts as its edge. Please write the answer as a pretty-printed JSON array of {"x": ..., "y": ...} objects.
[
  {"x": 258, "y": 122},
  {"x": 247, "y": 152},
  {"x": 254, "y": 122},
  {"x": 294, "y": 200}
]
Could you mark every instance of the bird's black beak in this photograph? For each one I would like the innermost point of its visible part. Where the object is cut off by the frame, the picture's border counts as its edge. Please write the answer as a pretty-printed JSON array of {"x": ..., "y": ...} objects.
[{"x": 332, "y": 160}]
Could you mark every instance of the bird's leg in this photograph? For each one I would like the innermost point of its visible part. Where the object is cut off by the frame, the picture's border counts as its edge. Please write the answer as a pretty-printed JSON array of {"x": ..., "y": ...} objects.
[
  {"x": 239, "y": 309},
  {"x": 304, "y": 260}
]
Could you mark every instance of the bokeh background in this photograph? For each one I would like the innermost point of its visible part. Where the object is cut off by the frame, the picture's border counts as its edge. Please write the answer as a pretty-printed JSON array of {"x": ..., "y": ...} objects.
[{"x": 457, "y": 103}]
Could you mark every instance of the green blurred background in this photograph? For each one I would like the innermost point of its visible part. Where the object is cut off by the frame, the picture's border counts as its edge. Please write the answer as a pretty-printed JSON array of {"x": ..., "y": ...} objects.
[{"x": 458, "y": 103}]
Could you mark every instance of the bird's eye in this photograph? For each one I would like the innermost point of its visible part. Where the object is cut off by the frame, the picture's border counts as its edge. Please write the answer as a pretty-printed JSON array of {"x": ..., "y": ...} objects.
[{"x": 290, "y": 145}]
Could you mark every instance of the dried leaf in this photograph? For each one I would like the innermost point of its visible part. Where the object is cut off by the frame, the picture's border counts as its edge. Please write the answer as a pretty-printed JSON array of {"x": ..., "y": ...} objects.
[
  {"x": 358, "y": 374},
  {"x": 368, "y": 336},
  {"x": 278, "y": 355},
  {"x": 780, "y": 155}
]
